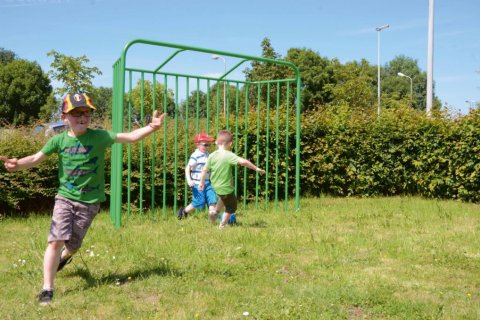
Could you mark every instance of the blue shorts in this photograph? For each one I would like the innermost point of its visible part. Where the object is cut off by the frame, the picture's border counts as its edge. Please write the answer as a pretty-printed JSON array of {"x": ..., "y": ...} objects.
[{"x": 205, "y": 197}]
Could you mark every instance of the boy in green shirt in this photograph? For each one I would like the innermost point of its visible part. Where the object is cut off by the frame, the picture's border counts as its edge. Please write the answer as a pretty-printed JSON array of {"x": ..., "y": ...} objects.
[
  {"x": 81, "y": 173},
  {"x": 219, "y": 164}
]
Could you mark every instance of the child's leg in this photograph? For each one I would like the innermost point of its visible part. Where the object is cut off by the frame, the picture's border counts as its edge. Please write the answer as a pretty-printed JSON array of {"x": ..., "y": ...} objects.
[
  {"x": 50, "y": 262},
  {"x": 189, "y": 208},
  {"x": 212, "y": 200},
  {"x": 230, "y": 202}
]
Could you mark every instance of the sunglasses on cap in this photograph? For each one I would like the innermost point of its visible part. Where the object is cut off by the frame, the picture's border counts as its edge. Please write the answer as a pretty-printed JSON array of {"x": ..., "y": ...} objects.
[{"x": 205, "y": 144}]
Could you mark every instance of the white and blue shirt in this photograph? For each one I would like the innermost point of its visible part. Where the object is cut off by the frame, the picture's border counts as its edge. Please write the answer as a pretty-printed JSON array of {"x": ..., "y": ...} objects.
[{"x": 196, "y": 163}]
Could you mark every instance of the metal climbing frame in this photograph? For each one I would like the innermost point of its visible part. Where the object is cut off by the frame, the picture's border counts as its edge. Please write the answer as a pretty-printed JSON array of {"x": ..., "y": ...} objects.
[{"x": 256, "y": 112}]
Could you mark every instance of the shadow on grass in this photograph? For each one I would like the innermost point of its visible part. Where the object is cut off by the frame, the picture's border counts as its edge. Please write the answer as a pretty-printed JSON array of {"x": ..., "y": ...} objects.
[{"x": 119, "y": 278}]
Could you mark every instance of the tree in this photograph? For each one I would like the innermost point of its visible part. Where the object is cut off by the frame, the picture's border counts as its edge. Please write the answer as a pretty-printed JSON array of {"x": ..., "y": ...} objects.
[
  {"x": 396, "y": 89},
  {"x": 316, "y": 72},
  {"x": 50, "y": 111},
  {"x": 136, "y": 99},
  {"x": 102, "y": 100},
  {"x": 7, "y": 56},
  {"x": 73, "y": 72},
  {"x": 24, "y": 89},
  {"x": 354, "y": 84}
]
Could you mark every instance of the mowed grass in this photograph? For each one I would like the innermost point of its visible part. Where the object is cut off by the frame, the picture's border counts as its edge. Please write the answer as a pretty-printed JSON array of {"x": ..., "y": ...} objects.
[{"x": 381, "y": 258}]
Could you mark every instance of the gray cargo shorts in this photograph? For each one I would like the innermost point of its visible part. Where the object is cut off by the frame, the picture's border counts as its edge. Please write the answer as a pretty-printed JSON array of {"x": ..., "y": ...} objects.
[{"x": 70, "y": 221}]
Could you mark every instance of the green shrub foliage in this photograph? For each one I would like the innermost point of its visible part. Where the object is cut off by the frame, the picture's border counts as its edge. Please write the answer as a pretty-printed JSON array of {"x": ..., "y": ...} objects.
[{"x": 343, "y": 153}]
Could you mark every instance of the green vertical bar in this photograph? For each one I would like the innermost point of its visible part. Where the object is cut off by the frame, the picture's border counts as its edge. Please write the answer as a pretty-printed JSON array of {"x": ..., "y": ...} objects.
[
  {"x": 218, "y": 109},
  {"x": 267, "y": 145},
  {"x": 297, "y": 160},
  {"x": 276, "y": 145},
  {"x": 117, "y": 126},
  {"x": 165, "y": 102},
  {"x": 129, "y": 146},
  {"x": 198, "y": 106},
  {"x": 236, "y": 134},
  {"x": 246, "y": 148},
  {"x": 154, "y": 107},
  {"x": 185, "y": 197},
  {"x": 175, "y": 148},
  {"x": 258, "y": 142},
  {"x": 142, "y": 106},
  {"x": 208, "y": 106},
  {"x": 287, "y": 149},
  {"x": 227, "y": 112}
]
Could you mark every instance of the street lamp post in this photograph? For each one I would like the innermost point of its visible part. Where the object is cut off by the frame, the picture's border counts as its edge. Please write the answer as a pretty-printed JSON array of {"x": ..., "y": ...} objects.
[
  {"x": 411, "y": 87},
  {"x": 379, "y": 29},
  {"x": 470, "y": 104},
  {"x": 216, "y": 57}
]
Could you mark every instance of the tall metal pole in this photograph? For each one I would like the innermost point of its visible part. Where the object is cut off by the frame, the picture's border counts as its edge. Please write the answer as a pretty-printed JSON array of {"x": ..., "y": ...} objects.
[
  {"x": 379, "y": 29},
  {"x": 430, "y": 58}
]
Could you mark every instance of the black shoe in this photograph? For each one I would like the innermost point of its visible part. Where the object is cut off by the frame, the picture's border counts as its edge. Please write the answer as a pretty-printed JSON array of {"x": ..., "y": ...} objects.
[
  {"x": 64, "y": 261},
  {"x": 181, "y": 213},
  {"x": 45, "y": 297}
]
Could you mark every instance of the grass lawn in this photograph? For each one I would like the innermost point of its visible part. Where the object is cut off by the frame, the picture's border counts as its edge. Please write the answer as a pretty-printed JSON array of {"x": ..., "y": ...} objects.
[{"x": 337, "y": 258}]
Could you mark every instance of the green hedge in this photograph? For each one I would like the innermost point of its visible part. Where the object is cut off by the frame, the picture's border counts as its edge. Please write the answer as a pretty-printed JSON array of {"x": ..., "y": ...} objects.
[{"x": 343, "y": 153}]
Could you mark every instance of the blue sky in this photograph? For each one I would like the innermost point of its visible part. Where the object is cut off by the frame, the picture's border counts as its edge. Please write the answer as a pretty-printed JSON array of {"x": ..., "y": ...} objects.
[{"x": 339, "y": 29}]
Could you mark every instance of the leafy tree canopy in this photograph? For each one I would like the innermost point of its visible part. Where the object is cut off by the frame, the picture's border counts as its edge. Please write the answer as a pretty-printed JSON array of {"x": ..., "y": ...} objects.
[
  {"x": 7, "y": 56},
  {"x": 73, "y": 72},
  {"x": 24, "y": 89}
]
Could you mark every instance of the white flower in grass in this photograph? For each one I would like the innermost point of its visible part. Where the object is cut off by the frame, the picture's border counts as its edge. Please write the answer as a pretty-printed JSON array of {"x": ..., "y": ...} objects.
[
  {"x": 246, "y": 313},
  {"x": 113, "y": 258},
  {"x": 15, "y": 265},
  {"x": 92, "y": 254}
]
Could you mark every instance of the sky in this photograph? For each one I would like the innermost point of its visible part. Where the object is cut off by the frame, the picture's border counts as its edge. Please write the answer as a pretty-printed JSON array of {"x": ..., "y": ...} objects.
[{"x": 100, "y": 29}]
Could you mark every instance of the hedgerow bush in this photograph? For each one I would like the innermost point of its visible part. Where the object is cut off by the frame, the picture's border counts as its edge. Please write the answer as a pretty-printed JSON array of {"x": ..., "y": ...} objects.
[{"x": 343, "y": 152}]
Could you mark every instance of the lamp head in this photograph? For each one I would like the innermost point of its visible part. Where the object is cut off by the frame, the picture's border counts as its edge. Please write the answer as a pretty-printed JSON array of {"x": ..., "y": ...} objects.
[{"x": 382, "y": 27}]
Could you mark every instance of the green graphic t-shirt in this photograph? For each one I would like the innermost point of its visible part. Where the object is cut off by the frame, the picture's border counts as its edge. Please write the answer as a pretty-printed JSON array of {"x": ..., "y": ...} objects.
[
  {"x": 81, "y": 164},
  {"x": 220, "y": 164}
]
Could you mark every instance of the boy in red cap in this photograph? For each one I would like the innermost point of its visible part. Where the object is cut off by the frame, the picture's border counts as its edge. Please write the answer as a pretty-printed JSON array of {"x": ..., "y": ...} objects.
[
  {"x": 81, "y": 153},
  {"x": 192, "y": 175}
]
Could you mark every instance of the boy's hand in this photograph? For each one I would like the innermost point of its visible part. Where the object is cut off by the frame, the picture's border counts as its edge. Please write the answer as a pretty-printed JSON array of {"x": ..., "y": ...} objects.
[
  {"x": 191, "y": 183},
  {"x": 10, "y": 164},
  {"x": 261, "y": 171},
  {"x": 157, "y": 120},
  {"x": 201, "y": 186}
]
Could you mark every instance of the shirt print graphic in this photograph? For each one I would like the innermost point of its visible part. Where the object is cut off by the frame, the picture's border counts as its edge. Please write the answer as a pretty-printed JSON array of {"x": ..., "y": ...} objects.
[{"x": 79, "y": 168}]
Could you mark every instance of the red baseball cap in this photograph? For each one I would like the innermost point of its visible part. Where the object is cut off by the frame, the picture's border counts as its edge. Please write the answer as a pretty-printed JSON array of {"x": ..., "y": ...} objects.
[{"x": 202, "y": 136}]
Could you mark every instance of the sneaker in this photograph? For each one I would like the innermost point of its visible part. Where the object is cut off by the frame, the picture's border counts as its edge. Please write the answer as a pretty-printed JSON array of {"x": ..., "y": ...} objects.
[
  {"x": 221, "y": 226},
  {"x": 45, "y": 296},
  {"x": 181, "y": 213},
  {"x": 64, "y": 261}
]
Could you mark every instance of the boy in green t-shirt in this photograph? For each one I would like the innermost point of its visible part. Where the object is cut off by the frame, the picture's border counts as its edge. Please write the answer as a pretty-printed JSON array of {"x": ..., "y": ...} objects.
[
  {"x": 219, "y": 164},
  {"x": 81, "y": 173}
]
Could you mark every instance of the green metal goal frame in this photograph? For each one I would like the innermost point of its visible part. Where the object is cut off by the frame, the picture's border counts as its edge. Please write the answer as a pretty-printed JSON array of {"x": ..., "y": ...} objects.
[{"x": 120, "y": 70}]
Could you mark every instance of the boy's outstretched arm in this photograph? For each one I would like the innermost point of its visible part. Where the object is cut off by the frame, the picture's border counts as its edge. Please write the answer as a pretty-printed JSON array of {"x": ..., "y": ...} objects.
[
  {"x": 15, "y": 164},
  {"x": 139, "y": 134},
  {"x": 248, "y": 164}
]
